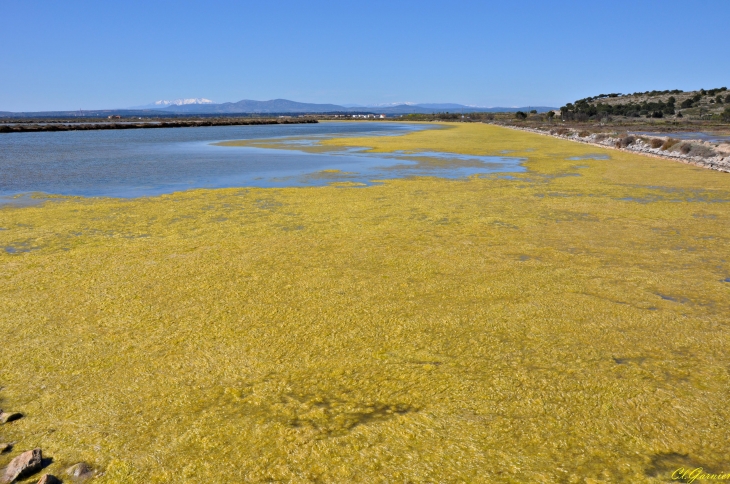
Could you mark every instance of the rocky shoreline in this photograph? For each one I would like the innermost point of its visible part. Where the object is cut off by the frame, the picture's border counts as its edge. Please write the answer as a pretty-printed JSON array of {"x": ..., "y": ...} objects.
[
  {"x": 714, "y": 156},
  {"x": 34, "y": 128}
]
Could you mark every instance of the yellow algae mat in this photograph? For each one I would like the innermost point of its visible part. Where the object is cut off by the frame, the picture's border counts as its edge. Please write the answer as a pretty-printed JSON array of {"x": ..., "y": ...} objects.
[{"x": 566, "y": 324}]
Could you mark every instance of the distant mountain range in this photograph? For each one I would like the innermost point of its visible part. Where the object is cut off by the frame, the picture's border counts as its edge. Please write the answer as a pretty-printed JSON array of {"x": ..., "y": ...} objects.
[
  {"x": 286, "y": 106},
  {"x": 204, "y": 106}
]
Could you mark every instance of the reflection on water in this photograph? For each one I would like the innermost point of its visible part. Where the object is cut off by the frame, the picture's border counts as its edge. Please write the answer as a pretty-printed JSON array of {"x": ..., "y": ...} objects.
[{"x": 132, "y": 163}]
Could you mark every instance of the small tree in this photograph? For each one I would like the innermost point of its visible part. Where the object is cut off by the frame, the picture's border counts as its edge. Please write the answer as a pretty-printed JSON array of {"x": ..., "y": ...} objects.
[
  {"x": 534, "y": 111},
  {"x": 726, "y": 114},
  {"x": 520, "y": 115}
]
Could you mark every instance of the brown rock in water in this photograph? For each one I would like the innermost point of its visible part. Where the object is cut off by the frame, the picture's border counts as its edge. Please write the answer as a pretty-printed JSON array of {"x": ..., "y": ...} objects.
[
  {"x": 80, "y": 470},
  {"x": 25, "y": 464},
  {"x": 49, "y": 479},
  {"x": 6, "y": 417}
]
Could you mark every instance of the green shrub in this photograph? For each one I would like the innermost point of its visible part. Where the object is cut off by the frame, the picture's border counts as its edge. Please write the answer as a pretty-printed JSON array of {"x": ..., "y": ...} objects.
[
  {"x": 520, "y": 115},
  {"x": 685, "y": 148},
  {"x": 626, "y": 141},
  {"x": 679, "y": 114},
  {"x": 701, "y": 150},
  {"x": 687, "y": 103},
  {"x": 657, "y": 114},
  {"x": 669, "y": 143},
  {"x": 727, "y": 99},
  {"x": 726, "y": 114}
]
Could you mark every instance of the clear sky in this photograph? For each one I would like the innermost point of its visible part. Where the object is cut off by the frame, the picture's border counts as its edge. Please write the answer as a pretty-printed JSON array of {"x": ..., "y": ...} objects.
[{"x": 101, "y": 54}]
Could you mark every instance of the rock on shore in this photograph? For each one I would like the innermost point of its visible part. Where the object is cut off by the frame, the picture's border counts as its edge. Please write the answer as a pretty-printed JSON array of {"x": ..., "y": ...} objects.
[
  {"x": 49, "y": 479},
  {"x": 80, "y": 470},
  {"x": 24, "y": 465},
  {"x": 6, "y": 417}
]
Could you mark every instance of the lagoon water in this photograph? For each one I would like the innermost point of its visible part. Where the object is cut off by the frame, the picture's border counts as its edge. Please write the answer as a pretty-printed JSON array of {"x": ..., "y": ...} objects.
[
  {"x": 145, "y": 162},
  {"x": 700, "y": 135}
]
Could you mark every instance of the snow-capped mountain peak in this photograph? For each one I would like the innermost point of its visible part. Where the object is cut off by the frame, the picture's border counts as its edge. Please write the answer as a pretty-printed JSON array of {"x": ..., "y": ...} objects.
[
  {"x": 175, "y": 102},
  {"x": 181, "y": 102}
]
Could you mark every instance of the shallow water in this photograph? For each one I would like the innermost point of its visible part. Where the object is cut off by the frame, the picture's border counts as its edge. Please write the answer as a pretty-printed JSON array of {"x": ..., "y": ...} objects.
[
  {"x": 699, "y": 135},
  {"x": 133, "y": 163}
]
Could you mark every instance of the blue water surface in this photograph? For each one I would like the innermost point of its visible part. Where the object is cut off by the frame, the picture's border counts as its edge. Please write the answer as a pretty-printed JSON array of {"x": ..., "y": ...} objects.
[
  {"x": 146, "y": 162},
  {"x": 698, "y": 135}
]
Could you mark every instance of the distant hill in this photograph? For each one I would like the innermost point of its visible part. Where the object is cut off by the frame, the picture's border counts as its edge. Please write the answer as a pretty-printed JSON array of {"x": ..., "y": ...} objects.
[
  {"x": 287, "y": 106},
  {"x": 263, "y": 107},
  {"x": 445, "y": 106},
  {"x": 652, "y": 104},
  {"x": 450, "y": 108}
]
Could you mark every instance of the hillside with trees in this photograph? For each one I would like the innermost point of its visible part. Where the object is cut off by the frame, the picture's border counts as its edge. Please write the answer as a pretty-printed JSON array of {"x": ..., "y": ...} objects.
[{"x": 701, "y": 104}]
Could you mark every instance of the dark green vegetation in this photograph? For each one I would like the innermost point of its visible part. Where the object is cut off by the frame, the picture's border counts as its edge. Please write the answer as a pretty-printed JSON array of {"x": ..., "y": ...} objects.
[{"x": 649, "y": 104}]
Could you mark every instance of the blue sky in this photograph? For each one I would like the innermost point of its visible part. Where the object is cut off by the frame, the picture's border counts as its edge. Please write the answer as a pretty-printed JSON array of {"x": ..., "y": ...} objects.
[{"x": 93, "y": 55}]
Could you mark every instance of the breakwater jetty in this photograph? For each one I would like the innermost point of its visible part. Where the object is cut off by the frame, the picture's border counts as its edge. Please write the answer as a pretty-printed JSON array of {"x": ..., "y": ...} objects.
[{"x": 76, "y": 126}]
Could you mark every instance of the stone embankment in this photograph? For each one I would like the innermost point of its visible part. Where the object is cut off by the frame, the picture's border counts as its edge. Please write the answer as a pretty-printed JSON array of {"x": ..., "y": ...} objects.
[
  {"x": 715, "y": 156},
  {"x": 34, "y": 128}
]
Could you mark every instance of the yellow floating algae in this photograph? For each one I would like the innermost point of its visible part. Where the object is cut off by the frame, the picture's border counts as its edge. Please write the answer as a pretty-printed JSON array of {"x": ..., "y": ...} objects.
[{"x": 566, "y": 324}]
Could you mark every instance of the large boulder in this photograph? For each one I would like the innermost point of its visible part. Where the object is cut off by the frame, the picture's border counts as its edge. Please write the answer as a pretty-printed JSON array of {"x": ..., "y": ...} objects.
[{"x": 25, "y": 464}]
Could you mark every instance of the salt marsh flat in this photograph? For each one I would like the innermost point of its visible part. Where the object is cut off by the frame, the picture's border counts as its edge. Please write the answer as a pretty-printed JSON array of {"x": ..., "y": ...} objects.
[{"x": 561, "y": 324}]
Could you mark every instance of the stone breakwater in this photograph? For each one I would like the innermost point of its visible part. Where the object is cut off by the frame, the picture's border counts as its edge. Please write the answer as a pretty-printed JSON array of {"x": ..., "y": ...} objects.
[
  {"x": 715, "y": 156},
  {"x": 33, "y": 128}
]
